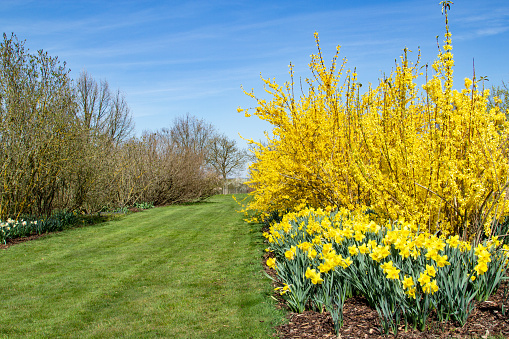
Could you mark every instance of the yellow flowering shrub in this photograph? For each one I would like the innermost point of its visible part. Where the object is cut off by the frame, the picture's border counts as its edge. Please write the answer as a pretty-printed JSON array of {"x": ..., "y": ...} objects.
[{"x": 430, "y": 154}]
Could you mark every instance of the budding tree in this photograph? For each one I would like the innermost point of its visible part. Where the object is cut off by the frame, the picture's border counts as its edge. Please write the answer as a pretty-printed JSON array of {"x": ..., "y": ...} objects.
[{"x": 39, "y": 135}]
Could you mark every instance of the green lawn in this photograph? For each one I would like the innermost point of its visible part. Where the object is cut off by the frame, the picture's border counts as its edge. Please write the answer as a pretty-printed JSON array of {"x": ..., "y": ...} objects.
[{"x": 190, "y": 271}]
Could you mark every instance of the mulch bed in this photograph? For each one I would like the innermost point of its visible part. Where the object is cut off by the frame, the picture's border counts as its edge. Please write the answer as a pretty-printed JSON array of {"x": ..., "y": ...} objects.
[
  {"x": 15, "y": 241},
  {"x": 361, "y": 321}
]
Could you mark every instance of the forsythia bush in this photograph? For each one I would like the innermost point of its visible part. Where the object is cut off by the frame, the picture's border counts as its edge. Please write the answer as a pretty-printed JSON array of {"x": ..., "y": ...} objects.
[
  {"x": 432, "y": 155},
  {"x": 323, "y": 257}
]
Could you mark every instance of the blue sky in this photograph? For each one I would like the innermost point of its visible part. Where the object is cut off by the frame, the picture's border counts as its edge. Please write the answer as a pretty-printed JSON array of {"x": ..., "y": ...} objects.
[{"x": 170, "y": 58}]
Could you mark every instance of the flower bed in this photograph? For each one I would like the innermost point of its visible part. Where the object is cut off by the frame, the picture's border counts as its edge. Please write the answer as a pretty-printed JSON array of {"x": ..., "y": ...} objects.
[{"x": 322, "y": 258}]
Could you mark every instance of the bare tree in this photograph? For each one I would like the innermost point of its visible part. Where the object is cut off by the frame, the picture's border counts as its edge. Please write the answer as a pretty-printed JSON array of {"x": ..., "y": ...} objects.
[
  {"x": 106, "y": 124},
  {"x": 103, "y": 114},
  {"x": 157, "y": 171},
  {"x": 225, "y": 157},
  {"x": 191, "y": 134},
  {"x": 119, "y": 124}
]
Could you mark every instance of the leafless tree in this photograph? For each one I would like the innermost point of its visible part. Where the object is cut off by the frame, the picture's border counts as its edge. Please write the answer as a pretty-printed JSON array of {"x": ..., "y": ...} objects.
[
  {"x": 103, "y": 114},
  {"x": 191, "y": 134},
  {"x": 119, "y": 124},
  {"x": 159, "y": 172},
  {"x": 225, "y": 157}
]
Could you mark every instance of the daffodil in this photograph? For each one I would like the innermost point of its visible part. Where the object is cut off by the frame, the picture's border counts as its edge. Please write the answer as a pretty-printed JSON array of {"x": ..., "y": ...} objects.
[
  {"x": 353, "y": 250},
  {"x": 408, "y": 282},
  {"x": 271, "y": 262},
  {"x": 442, "y": 261},
  {"x": 430, "y": 270},
  {"x": 290, "y": 254},
  {"x": 314, "y": 276}
]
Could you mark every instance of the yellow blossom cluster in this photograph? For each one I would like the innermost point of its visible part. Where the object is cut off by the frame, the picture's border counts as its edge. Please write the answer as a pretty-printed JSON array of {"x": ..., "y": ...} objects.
[
  {"x": 319, "y": 235},
  {"x": 312, "y": 246},
  {"x": 388, "y": 189},
  {"x": 432, "y": 154}
]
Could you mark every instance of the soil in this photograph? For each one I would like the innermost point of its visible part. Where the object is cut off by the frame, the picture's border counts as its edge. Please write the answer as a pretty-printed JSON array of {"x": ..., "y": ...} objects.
[
  {"x": 361, "y": 321},
  {"x": 15, "y": 241}
]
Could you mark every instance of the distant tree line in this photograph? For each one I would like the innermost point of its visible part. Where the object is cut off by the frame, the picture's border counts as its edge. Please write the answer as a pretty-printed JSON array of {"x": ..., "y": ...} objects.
[{"x": 70, "y": 144}]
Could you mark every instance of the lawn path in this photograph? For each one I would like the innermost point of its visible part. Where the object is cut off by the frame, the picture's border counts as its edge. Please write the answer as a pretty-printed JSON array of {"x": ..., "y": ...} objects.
[{"x": 188, "y": 271}]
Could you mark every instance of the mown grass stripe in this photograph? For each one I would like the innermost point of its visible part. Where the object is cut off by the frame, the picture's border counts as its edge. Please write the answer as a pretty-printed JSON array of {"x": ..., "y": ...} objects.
[{"x": 178, "y": 272}]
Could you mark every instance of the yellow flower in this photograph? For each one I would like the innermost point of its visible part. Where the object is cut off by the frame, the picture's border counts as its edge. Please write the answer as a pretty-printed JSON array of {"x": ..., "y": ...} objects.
[
  {"x": 479, "y": 249},
  {"x": 314, "y": 276},
  {"x": 424, "y": 279},
  {"x": 347, "y": 233},
  {"x": 408, "y": 282},
  {"x": 372, "y": 244},
  {"x": 392, "y": 273},
  {"x": 326, "y": 248},
  {"x": 430, "y": 287},
  {"x": 465, "y": 246},
  {"x": 305, "y": 246},
  {"x": 391, "y": 237},
  {"x": 380, "y": 252},
  {"x": 494, "y": 242},
  {"x": 271, "y": 262},
  {"x": 353, "y": 250},
  {"x": 442, "y": 261},
  {"x": 430, "y": 270},
  {"x": 411, "y": 292},
  {"x": 359, "y": 236},
  {"x": 290, "y": 254},
  {"x": 363, "y": 249},
  {"x": 326, "y": 266},
  {"x": 387, "y": 265},
  {"x": 312, "y": 253},
  {"x": 373, "y": 227},
  {"x": 404, "y": 252},
  {"x": 346, "y": 262},
  {"x": 283, "y": 290},
  {"x": 432, "y": 254},
  {"x": 317, "y": 240},
  {"x": 481, "y": 268}
]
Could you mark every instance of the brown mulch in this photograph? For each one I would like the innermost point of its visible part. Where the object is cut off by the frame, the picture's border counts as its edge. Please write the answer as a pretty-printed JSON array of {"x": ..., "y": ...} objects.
[
  {"x": 361, "y": 321},
  {"x": 15, "y": 241}
]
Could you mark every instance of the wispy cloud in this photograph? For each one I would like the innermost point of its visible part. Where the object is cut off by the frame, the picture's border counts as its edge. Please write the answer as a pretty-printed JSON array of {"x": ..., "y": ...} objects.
[
  {"x": 483, "y": 20},
  {"x": 491, "y": 31},
  {"x": 171, "y": 55}
]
